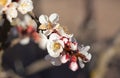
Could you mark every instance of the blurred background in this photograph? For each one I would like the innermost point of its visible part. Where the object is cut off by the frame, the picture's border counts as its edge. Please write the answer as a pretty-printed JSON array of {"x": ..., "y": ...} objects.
[{"x": 93, "y": 22}]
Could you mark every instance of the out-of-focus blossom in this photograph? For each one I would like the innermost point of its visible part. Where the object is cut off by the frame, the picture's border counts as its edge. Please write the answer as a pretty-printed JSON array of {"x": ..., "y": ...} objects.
[
  {"x": 25, "y": 41},
  {"x": 29, "y": 21},
  {"x": 54, "y": 61},
  {"x": 11, "y": 12},
  {"x": 27, "y": 28},
  {"x": 10, "y": 8},
  {"x": 25, "y": 6},
  {"x": 4, "y": 5}
]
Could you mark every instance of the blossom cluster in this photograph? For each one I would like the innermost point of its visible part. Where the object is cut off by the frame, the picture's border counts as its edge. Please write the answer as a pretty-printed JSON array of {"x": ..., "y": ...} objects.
[
  {"x": 11, "y": 8},
  {"x": 62, "y": 47}
]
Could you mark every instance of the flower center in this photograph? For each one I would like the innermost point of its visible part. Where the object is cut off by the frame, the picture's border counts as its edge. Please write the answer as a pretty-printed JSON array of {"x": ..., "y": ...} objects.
[
  {"x": 3, "y": 2},
  {"x": 43, "y": 27},
  {"x": 56, "y": 46},
  {"x": 49, "y": 26},
  {"x": 23, "y": 4}
]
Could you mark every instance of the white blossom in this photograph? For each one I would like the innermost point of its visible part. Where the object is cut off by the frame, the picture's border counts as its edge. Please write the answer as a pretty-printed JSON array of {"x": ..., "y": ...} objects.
[
  {"x": 55, "y": 48},
  {"x": 25, "y": 6},
  {"x": 48, "y": 23}
]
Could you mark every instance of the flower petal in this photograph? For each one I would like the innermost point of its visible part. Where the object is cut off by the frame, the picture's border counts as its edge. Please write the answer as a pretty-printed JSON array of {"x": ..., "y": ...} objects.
[
  {"x": 88, "y": 56},
  {"x": 25, "y": 41},
  {"x": 51, "y": 51},
  {"x": 84, "y": 50},
  {"x": 64, "y": 58},
  {"x": 11, "y": 12},
  {"x": 43, "y": 41},
  {"x": 54, "y": 18},
  {"x": 54, "y": 36},
  {"x": 73, "y": 66},
  {"x": 43, "y": 19},
  {"x": 73, "y": 46},
  {"x": 81, "y": 64}
]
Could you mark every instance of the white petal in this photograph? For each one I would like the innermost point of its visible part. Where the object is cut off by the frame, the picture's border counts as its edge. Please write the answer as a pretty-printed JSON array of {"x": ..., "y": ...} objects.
[
  {"x": 54, "y": 36},
  {"x": 43, "y": 19},
  {"x": 85, "y": 49},
  {"x": 73, "y": 66},
  {"x": 25, "y": 41},
  {"x": 43, "y": 41},
  {"x": 88, "y": 56},
  {"x": 54, "y": 61},
  {"x": 54, "y": 18},
  {"x": 82, "y": 65},
  {"x": 12, "y": 12},
  {"x": 27, "y": 18},
  {"x": 9, "y": 18},
  {"x": 73, "y": 46}
]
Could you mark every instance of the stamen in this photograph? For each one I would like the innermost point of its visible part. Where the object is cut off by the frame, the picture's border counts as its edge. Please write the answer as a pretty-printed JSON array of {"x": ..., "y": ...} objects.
[{"x": 56, "y": 46}]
